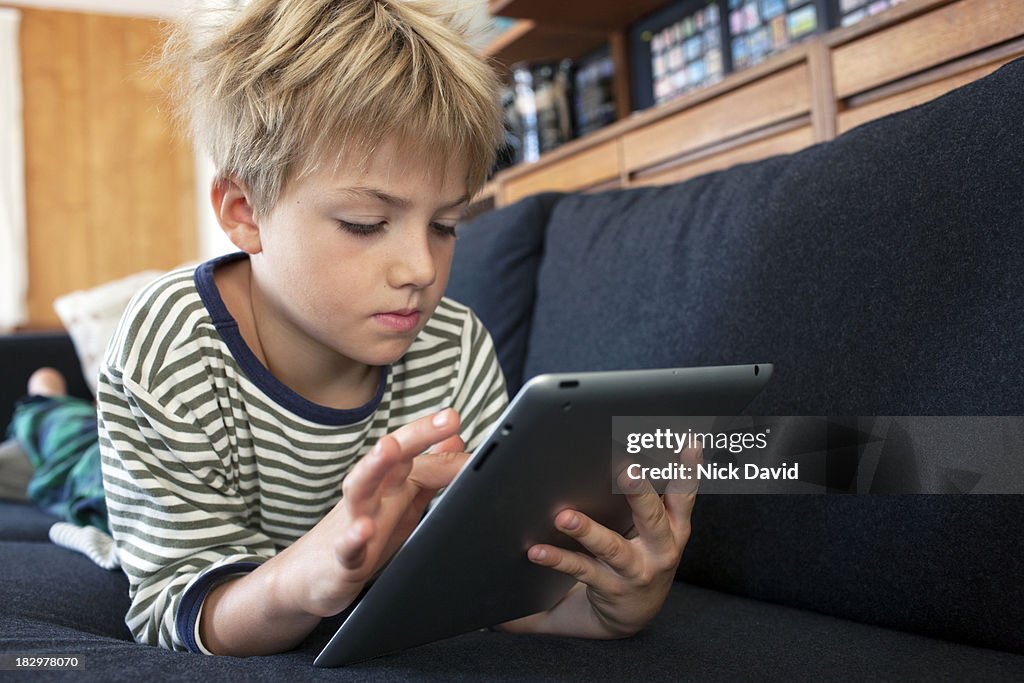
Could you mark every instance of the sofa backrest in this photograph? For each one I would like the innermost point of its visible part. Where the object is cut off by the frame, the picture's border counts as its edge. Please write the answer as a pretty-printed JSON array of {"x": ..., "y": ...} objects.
[
  {"x": 883, "y": 274},
  {"x": 494, "y": 272}
]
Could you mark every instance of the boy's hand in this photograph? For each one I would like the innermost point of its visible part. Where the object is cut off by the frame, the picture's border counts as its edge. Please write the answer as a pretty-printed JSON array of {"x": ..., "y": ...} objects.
[
  {"x": 383, "y": 499},
  {"x": 624, "y": 581},
  {"x": 274, "y": 607}
]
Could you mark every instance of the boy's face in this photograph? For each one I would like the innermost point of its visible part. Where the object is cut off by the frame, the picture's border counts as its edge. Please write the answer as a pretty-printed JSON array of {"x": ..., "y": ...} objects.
[{"x": 356, "y": 259}]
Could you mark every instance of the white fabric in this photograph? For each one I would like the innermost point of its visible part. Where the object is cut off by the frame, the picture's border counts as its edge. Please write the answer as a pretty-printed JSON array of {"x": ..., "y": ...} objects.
[
  {"x": 13, "y": 253},
  {"x": 90, "y": 316},
  {"x": 195, "y": 633},
  {"x": 90, "y": 541}
]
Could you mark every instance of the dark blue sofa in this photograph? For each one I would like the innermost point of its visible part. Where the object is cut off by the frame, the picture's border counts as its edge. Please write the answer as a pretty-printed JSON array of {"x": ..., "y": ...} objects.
[{"x": 883, "y": 274}]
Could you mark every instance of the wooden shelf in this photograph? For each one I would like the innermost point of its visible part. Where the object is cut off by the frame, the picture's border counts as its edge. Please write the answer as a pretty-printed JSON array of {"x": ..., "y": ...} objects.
[
  {"x": 606, "y": 15},
  {"x": 530, "y": 41},
  {"x": 807, "y": 94}
]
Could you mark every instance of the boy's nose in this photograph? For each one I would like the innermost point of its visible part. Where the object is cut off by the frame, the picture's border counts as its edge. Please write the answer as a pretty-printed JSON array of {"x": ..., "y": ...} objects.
[{"x": 413, "y": 264}]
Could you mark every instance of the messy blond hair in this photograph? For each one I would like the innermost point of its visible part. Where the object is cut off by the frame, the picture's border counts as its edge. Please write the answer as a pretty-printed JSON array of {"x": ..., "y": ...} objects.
[{"x": 284, "y": 85}]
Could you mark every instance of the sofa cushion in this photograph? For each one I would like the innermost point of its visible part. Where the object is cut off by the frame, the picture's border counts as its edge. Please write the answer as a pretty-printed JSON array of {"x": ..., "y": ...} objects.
[
  {"x": 91, "y": 317},
  {"x": 942, "y": 565},
  {"x": 46, "y": 584},
  {"x": 700, "y": 635},
  {"x": 21, "y": 521},
  {"x": 883, "y": 274},
  {"x": 494, "y": 272}
]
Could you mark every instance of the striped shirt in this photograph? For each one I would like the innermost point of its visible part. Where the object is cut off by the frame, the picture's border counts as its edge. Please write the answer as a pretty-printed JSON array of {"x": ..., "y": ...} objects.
[{"x": 211, "y": 465}]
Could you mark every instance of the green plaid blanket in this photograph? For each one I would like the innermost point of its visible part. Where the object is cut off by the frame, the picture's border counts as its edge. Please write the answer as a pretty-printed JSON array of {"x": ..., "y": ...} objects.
[{"x": 59, "y": 436}]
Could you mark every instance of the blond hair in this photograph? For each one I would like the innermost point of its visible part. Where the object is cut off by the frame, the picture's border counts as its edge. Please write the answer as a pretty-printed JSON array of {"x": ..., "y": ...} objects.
[{"x": 288, "y": 84}]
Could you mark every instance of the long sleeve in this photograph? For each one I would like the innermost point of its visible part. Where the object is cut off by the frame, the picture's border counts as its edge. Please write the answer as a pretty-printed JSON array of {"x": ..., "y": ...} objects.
[{"x": 176, "y": 513}]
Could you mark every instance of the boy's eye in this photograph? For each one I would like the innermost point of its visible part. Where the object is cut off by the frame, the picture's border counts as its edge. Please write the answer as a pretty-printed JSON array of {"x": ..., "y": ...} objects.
[
  {"x": 360, "y": 228},
  {"x": 443, "y": 230},
  {"x": 363, "y": 230}
]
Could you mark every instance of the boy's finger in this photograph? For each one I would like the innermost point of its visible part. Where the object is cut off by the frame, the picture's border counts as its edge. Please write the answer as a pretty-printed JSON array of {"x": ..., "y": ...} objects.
[
  {"x": 389, "y": 462},
  {"x": 650, "y": 519},
  {"x": 576, "y": 565},
  {"x": 419, "y": 435},
  {"x": 362, "y": 484},
  {"x": 679, "y": 507},
  {"x": 433, "y": 471},
  {"x": 606, "y": 545},
  {"x": 681, "y": 495},
  {"x": 453, "y": 444}
]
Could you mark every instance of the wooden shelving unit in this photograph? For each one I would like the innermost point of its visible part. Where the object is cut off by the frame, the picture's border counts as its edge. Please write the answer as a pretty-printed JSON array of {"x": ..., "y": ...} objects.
[{"x": 808, "y": 94}]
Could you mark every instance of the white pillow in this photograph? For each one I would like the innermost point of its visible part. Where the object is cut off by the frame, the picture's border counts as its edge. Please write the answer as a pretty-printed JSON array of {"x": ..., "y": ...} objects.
[{"x": 91, "y": 315}]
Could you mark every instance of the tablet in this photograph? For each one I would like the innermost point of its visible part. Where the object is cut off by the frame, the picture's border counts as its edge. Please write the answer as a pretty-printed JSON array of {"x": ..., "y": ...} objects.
[{"x": 464, "y": 567}]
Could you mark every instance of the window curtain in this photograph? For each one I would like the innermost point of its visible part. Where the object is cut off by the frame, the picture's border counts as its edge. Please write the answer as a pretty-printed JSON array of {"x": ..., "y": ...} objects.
[{"x": 13, "y": 253}]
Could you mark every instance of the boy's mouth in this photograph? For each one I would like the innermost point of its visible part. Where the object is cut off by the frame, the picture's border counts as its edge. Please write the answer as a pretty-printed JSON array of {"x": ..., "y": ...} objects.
[{"x": 399, "y": 321}]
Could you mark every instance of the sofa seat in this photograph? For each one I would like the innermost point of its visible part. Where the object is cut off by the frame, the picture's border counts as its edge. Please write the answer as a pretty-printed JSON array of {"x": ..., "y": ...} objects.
[{"x": 700, "y": 634}]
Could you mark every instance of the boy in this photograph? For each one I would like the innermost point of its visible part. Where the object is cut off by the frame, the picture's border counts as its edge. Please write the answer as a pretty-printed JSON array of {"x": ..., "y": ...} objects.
[{"x": 263, "y": 416}]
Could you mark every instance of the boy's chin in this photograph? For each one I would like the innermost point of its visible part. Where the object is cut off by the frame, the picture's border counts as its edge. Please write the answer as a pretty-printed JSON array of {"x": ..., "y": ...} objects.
[{"x": 386, "y": 354}]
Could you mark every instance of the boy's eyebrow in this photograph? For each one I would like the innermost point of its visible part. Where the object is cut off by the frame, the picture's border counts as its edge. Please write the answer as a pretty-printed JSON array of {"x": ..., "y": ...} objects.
[{"x": 400, "y": 202}]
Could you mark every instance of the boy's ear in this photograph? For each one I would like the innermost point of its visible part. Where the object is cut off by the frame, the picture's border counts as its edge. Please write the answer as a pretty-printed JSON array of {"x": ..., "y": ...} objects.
[{"x": 231, "y": 205}]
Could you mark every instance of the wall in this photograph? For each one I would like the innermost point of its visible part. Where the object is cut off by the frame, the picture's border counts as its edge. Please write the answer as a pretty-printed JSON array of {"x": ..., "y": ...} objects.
[{"x": 110, "y": 189}]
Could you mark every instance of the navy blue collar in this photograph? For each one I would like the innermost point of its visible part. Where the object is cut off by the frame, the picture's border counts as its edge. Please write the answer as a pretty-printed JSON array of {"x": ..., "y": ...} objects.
[{"x": 227, "y": 327}]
